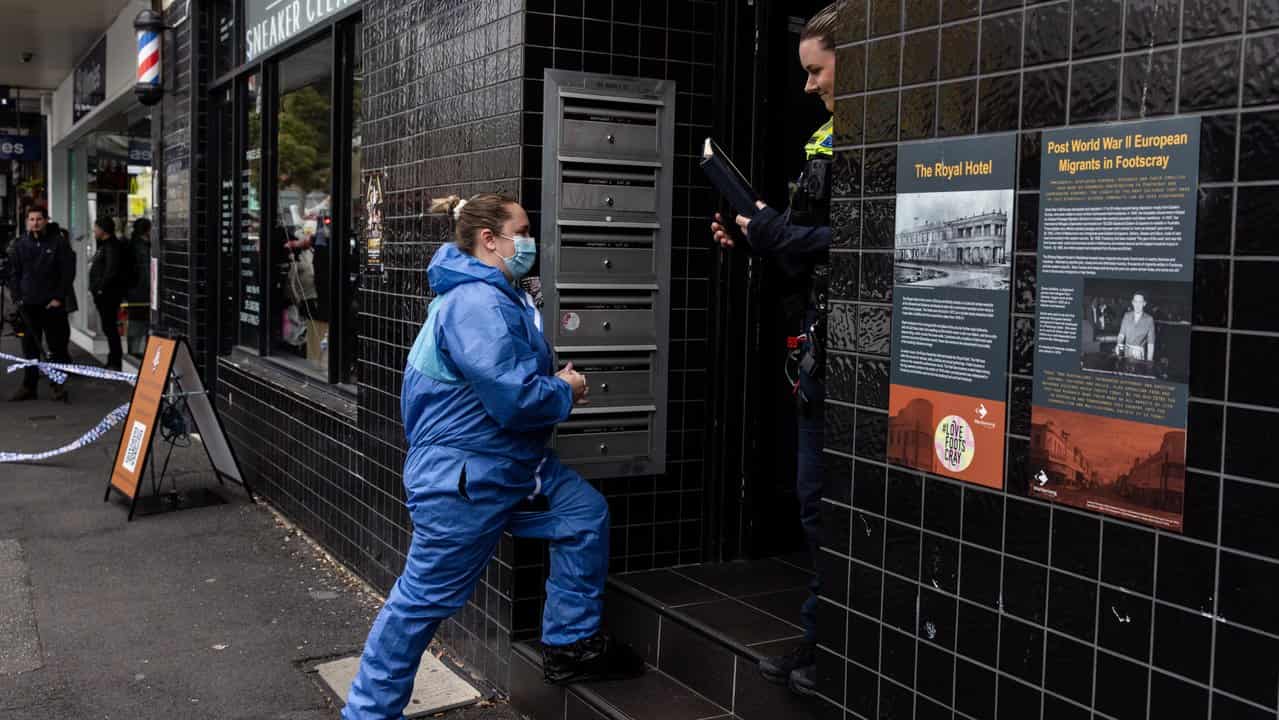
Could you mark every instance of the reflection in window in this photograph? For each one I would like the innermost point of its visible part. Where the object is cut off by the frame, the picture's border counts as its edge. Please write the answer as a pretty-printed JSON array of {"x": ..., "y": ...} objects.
[
  {"x": 250, "y": 295},
  {"x": 302, "y": 232}
]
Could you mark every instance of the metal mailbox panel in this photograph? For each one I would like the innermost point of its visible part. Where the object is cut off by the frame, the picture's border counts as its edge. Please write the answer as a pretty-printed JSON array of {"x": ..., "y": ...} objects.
[
  {"x": 607, "y": 327},
  {"x": 585, "y": 138},
  {"x": 608, "y": 264},
  {"x": 619, "y": 387},
  {"x": 602, "y": 445},
  {"x": 605, "y": 198}
]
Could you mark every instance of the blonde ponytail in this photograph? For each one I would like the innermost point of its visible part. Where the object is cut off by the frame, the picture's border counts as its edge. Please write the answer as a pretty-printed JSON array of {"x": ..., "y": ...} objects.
[{"x": 480, "y": 212}]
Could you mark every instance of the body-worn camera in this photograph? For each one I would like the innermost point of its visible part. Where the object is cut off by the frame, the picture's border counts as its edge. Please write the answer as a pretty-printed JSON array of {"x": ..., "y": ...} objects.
[{"x": 810, "y": 201}]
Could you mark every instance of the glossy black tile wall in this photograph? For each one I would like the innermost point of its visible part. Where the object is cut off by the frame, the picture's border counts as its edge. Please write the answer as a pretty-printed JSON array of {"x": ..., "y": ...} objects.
[
  {"x": 980, "y": 603},
  {"x": 183, "y": 289}
]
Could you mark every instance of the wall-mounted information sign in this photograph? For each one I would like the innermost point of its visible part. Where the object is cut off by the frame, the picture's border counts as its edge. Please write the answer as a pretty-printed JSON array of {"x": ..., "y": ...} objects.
[
  {"x": 1116, "y": 277},
  {"x": 952, "y": 278}
]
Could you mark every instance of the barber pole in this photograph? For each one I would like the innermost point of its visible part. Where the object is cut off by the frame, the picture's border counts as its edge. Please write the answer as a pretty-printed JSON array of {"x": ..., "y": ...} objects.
[{"x": 148, "y": 25}]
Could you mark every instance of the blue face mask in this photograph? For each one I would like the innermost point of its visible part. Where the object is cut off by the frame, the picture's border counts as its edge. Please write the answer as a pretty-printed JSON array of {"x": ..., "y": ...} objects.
[{"x": 525, "y": 255}]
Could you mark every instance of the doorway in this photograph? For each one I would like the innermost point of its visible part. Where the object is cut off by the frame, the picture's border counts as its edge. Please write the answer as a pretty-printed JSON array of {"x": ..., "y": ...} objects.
[{"x": 766, "y": 124}]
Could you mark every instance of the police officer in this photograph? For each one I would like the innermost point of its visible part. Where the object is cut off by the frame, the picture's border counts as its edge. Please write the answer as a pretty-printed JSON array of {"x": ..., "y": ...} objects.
[{"x": 799, "y": 239}]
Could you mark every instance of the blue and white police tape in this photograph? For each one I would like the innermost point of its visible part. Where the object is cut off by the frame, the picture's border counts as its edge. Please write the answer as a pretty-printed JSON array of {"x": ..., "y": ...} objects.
[
  {"x": 108, "y": 422},
  {"x": 57, "y": 372}
]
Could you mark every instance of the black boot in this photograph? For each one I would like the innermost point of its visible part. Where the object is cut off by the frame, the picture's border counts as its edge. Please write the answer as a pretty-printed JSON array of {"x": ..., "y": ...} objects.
[
  {"x": 778, "y": 668},
  {"x": 803, "y": 680},
  {"x": 599, "y": 657}
]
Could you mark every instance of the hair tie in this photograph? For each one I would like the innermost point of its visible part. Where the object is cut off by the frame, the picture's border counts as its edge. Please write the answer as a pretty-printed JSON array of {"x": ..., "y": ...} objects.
[{"x": 457, "y": 210}]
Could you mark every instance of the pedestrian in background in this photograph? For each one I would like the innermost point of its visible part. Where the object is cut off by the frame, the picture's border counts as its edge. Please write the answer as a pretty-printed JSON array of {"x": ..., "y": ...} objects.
[
  {"x": 43, "y": 273},
  {"x": 111, "y": 276}
]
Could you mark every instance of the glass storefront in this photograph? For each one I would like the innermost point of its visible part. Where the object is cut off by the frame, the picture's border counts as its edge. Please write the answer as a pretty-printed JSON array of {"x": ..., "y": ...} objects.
[
  {"x": 111, "y": 176},
  {"x": 250, "y": 293},
  {"x": 295, "y": 157},
  {"x": 304, "y": 207}
]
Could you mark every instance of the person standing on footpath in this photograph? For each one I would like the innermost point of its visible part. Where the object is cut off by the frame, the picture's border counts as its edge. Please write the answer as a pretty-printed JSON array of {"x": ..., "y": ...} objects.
[
  {"x": 111, "y": 276},
  {"x": 798, "y": 239},
  {"x": 43, "y": 273}
]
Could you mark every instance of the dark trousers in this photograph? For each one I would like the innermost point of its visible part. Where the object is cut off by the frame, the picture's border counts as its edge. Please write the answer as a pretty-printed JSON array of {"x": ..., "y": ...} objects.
[
  {"x": 108, "y": 310},
  {"x": 809, "y": 481},
  {"x": 52, "y": 325}
]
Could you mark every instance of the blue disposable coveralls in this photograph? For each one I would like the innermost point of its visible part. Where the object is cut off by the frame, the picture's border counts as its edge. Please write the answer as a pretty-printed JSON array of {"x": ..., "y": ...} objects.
[{"x": 479, "y": 402}]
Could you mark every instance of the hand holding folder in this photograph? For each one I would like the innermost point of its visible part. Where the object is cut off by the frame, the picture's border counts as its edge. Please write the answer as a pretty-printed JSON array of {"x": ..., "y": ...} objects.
[{"x": 727, "y": 179}]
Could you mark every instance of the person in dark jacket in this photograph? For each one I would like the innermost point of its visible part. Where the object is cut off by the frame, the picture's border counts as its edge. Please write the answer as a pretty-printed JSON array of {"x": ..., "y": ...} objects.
[
  {"x": 43, "y": 267},
  {"x": 110, "y": 278}
]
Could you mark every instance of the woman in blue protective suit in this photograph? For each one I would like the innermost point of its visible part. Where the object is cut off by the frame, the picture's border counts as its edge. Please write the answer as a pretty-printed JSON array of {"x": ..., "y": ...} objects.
[{"x": 480, "y": 399}]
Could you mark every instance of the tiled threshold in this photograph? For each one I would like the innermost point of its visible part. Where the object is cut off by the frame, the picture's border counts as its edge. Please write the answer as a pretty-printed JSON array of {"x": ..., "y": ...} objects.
[
  {"x": 702, "y": 630},
  {"x": 751, "y": 608}
]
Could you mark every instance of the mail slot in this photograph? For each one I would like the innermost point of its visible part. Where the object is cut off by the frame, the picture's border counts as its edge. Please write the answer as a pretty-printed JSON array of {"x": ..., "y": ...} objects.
[
  {"x": 607, "y": 132},
  {"x": 603, "y": 439},
  {"x": 609, "y": 191},
  {"x": 606, "y": 320},
  {"x": 615, "y": 379},
  {"x": 607, "y": 256}
]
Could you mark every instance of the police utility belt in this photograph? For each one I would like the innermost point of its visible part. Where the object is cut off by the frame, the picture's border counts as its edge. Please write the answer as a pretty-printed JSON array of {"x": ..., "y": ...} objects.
[{"x": 810, "y": 206}]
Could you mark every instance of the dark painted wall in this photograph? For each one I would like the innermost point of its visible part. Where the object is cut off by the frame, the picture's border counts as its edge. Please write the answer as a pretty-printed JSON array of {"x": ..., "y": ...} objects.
[{"x": 988, "y": 603}]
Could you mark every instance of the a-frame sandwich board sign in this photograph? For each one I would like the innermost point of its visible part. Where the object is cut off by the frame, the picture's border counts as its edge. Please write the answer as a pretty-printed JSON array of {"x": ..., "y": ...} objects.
[{"x": 167, "y": 367}]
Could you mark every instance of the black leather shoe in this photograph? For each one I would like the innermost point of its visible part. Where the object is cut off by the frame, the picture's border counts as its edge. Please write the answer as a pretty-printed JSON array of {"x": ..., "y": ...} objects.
[
  {"x": 803, "y": 681},
  {"x": 23, "y": 393},
  {"x": 599, "y": 657},
  {"x": 778, "y": 668}
]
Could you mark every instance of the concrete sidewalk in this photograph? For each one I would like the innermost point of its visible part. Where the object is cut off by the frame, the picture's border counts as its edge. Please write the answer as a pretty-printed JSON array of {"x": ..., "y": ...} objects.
[{"x": 219, "y": 612}]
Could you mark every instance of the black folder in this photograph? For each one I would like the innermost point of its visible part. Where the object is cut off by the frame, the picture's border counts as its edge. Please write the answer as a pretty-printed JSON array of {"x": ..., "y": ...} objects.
[{"x": 727, "y": 179}]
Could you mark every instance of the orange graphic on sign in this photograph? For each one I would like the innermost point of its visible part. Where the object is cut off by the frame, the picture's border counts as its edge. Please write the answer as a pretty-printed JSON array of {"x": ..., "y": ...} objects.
[
  {"x": 139, "y": 427},
  {"x": 958, "y": 436}
]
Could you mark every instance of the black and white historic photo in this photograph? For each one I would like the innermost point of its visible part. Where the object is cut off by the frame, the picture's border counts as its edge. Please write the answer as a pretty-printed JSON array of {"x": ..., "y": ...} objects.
[{"x": 955, "y": 239}]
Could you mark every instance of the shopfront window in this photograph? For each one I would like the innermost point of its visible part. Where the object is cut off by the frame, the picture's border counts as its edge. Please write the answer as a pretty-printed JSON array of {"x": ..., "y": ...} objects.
[
  {"x": 139, "y": 213},
  {"x": 250, "y": 285},
  {"x": 302, "y": 233},
  {"x": 296, "y": 157},
  {"x": 111, "y": 175}
]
